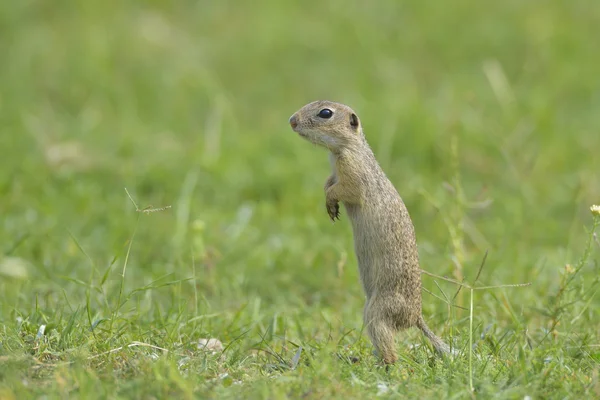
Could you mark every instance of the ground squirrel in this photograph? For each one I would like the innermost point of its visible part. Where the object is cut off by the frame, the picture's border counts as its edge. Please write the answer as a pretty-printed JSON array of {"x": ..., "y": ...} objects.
[{"x": 384, "y": 237}]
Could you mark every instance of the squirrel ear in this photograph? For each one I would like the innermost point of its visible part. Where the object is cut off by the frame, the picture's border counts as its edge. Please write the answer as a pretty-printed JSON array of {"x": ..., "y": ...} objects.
[{"x": 354, "y": 120}]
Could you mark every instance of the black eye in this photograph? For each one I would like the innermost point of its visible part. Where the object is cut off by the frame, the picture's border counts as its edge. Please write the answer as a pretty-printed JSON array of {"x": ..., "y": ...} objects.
[{"x": 325, "y": 113}]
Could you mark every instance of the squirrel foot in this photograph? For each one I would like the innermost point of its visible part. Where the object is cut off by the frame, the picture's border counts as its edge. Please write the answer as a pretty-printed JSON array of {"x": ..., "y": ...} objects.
[{"x": 333, "y": 209}]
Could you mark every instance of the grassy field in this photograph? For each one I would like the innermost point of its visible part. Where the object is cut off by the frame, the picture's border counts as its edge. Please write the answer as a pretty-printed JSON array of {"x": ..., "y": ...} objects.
[{"x": 484, "y": 115}]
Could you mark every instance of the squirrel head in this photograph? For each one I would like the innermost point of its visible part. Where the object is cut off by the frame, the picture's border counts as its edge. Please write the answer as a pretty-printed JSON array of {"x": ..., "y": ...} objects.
[{"x": 332, "y": 125}]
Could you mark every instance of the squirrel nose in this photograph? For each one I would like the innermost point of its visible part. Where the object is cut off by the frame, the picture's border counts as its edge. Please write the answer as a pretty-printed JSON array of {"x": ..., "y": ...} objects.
[{"x": 293, "y": 121}]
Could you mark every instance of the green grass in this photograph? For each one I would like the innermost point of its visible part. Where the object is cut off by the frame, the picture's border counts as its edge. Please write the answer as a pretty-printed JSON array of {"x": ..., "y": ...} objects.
[{"x": 483, "y": 114}]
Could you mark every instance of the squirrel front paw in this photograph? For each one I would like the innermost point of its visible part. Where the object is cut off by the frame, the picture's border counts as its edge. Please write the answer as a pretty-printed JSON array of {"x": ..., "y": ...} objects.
[{"x": 333, "y": 209}]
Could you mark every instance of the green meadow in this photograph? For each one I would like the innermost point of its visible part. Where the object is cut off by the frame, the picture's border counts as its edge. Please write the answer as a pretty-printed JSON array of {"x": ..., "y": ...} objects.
[{"x": 152, "y": 195}]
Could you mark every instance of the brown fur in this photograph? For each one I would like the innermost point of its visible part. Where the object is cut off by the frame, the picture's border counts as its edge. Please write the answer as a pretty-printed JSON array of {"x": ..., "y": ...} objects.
[{"x": 384, "y": 237}]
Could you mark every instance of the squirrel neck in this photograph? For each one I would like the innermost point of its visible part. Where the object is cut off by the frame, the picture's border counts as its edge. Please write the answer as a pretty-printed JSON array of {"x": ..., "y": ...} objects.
[
  {"x": 356, "y": 162},
  {"x": 359, "y": 151}
]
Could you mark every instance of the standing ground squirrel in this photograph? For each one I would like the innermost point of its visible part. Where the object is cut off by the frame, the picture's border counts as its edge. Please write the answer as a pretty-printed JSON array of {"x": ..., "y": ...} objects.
[{"x": 384, "y": 237}]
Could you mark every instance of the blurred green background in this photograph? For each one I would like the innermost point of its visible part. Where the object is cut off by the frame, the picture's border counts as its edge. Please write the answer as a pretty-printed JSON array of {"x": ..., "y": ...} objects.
[{"x": 483, "y": 114}]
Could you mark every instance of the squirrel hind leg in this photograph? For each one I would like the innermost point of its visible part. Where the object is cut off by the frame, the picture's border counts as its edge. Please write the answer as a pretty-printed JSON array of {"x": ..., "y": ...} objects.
[
  {"x": 381, "y": 331},
  {"x": 382, "y": 337}
]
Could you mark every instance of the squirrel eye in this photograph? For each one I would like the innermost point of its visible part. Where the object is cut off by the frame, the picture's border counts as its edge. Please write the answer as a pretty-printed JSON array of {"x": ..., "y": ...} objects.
[{"x": 325, "y": 113}]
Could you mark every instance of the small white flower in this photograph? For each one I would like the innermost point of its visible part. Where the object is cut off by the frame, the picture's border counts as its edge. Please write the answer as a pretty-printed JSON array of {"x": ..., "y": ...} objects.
[
  {"x": 210, "y": 345},
  {"x": 382, "y": 388},
  {"x": 595, "y": 209}
]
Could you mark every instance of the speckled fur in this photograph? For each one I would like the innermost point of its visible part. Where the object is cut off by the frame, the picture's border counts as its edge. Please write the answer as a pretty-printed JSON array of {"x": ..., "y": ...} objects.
[{"x": 384, "y": 237}]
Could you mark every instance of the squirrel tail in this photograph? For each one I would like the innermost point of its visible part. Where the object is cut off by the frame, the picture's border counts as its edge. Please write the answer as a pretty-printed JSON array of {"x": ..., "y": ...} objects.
[{"x": 438, "y": 344}]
